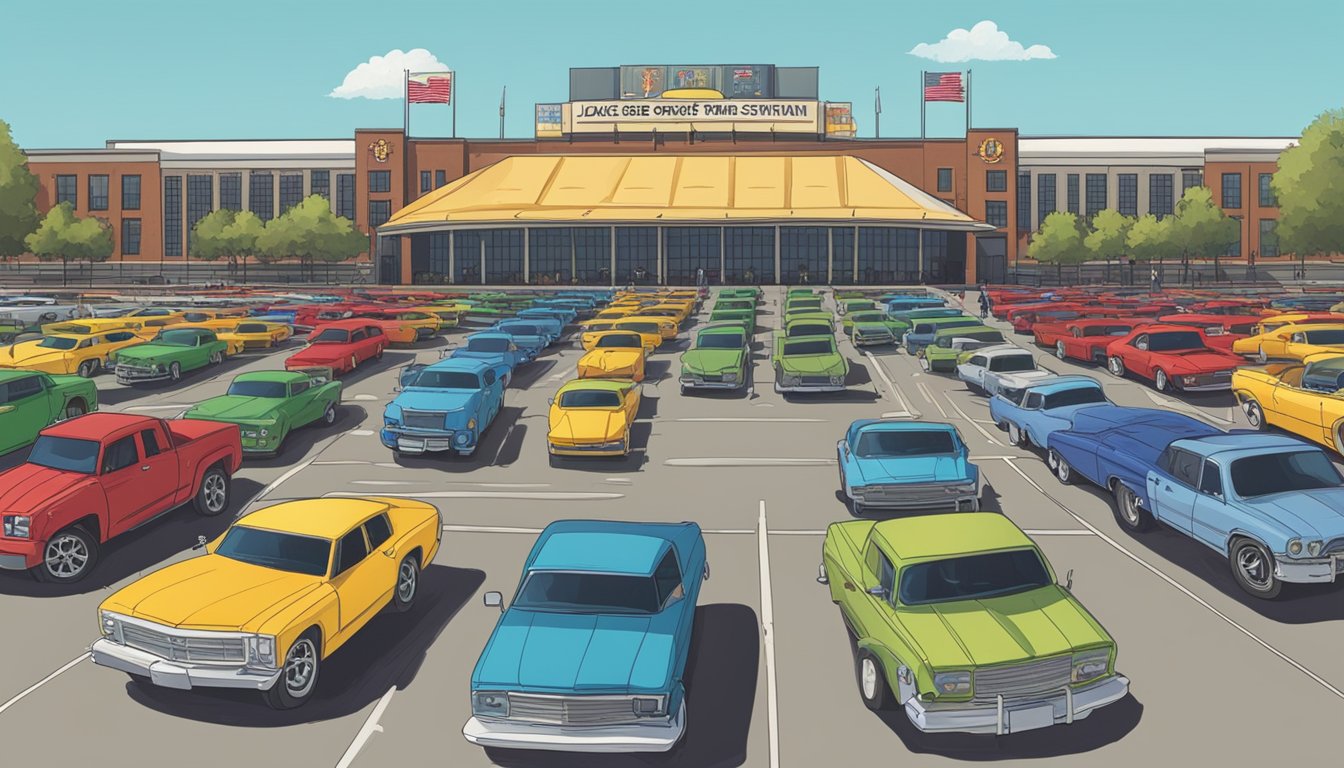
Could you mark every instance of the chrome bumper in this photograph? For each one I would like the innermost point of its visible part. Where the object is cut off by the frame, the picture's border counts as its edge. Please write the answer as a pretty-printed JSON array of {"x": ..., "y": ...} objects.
[
  {"x": 656, "y": 735},
  {"x": 127, "y": 375},
  {"x": 810, "y": 388},
  {"x": 171, "y": 674},
  {"x": 1059, "y": 707},
  {"x": 698, "y": 383},
  {"x": 1320, "y": 570}
]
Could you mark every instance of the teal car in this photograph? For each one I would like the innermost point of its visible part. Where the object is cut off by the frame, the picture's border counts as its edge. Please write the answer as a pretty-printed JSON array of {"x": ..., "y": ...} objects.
[
  {"x": 31, "y": 401},
  {"x": 870, "y": 327},
  {"x": 951, "y": 345},
  {"x": 809, "y": 364},
  {"x": 717, "y": 359},
  {"x": 168, "y": 355},
  {"x": 268, "y": 405}
]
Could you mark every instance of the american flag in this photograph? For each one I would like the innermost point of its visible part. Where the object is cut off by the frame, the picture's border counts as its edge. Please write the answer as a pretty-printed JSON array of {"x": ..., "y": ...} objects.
[
  {"x": 943, "y": 86},
  {"x": 430, "y": 88}
]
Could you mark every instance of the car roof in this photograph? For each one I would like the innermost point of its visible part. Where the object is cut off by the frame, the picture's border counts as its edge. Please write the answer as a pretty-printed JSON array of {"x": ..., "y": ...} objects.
[
  {"x": 614, "y": 551},
  {"x": 606, "y": 385},
  {"x": 95, "y": 426},
  {"x": 1248, "y": 443},
  {"x": 1061, "y": 383},
  {"x": 1001, "y": 350},
  {"x": 489, "y": 335},
  {"x": 955, "y": 533},
  {"x": 730, "y": 326},
  {"x": 895, "y": 425},
  {"x": 327, "y": 518},
  {"x": 466, "y": 364},
  {"x": 348, "y": 324},
  {"x": 1149, "y": 426},
  {"x": 280, "y": 376}
]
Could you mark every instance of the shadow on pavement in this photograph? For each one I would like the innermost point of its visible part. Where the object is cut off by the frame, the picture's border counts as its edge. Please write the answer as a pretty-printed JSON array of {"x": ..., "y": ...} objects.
[
  {"x": 526, "y": 376},
  {"x": 390, "y": 361},
  {"x": 721, "y": 692},
  {"x": 386, "y": 653}
]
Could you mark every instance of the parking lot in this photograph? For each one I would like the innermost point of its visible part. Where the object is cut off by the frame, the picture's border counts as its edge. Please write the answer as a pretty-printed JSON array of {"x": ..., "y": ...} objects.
[{"x": 772, "y": 679}]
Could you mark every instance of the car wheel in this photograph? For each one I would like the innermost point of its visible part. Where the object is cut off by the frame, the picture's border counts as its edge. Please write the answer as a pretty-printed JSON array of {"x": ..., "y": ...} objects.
[
  {"x": 354, "y": 362},
  {"x": 1129, "y": 511},
  {"x": 329, "y": 415},
  {"x": 175, "y": 371},
  {"x": 216, "y": 358},
  {"x": 1059, "y": 350},
  {"x": 872, "y": 683},
  {"x": 379, "y": 354},
  {"x": 1160, "y": 381},
  {"x": 924, "y": 363},
  {"x": 1062, "y": 469},
  {"x": 212, "y": 497},
  {"x": 67, "y": 557},
  {"x": 1253, "y": 568},
  {"x": 1116, "y": 366},
  {"x": 408, "y": 584},
  {"x": 626, "y": 439},
  {"x": 298, "y": 675},
  {"x": 88, "y": 369},
  {"x": 75, "y": 408},
  {"x": 1016, "y": 436},
  {"x": 1255, "y": 415},
  {"x": 1260, "y": 356}
]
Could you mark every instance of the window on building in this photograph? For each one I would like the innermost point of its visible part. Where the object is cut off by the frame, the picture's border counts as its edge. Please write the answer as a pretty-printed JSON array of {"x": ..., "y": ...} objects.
[
  {"x": 637, "y": 255},
  {"x": 1071, "y": 193},
  {"x": 1191, "y": 178},
  {"x": 938, "y": 266},
  {"x": 1161, "y": 195},
  {"x": 748, "y": 248},
  {"x": 550, "y": 252},
  {"x": 200, "y": 201},
  {"x": 426, "y": 181},
  {"x": 996, "y": 181},
  {"x": 1045, "y": 196},
  {"x": 802, "y": 255},
  {"x": 592, "y": 255},
  {"x": 1269, "y": 238},
  {"x": 345, "y": 195},
  {"x": 1128, "y": 184},
  {"x": 467, "y": 255},
  {"x": 687, "y": 249},
  {"x": 67, "y": 189},
  {"x": 1235, "y": 248},
  {"x": 842, "y": 255},
  {"x": 320, "y": 183},
  {"x": 291, "y": 190},
  {"x": 379, "y": 212},
  {"x": 1267, "y": 197},
  {"x": 172, "y": 216},
  {"x": 996, "y": 212},
  {"x": 261, "y": 195},
  {"x": 440, "y": 178},
  {"x": 503, "y": 256},
  {"x": 231, "y": 191},
  {"x": 1024, "y": 201},
  {"x": 98, "y": 192},
  {"x": 440, "y": 255},
  {"x": 1232, "y": 190},
  {"x": 944, "y": 179},
  {"x": 1096, "y": 193},
  {"x": 130, "y": 237},
  {"x": 130, "y": 192},
  {"x": 888, "y": 255},
  {"x": 380, "y": 181}
]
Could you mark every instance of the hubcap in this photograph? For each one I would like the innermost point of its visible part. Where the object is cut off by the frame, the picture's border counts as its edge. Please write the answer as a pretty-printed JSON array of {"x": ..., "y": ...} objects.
[
  {"x": 214, "y": 491},
  {"x": 1014, "y": 434},
  {"x": 1127, "y": 506},
  {"x": 1061, "y": 469},
  {"x": 66, "y": 556},
  {"x": 73, "y": 411},
  {"x": 869, "y": 675},
  {"x": 1253, "y": 415},
  {"x": 300, "y": 665},
  {"x": 406, "y": 581},
  {"x": 1059, "y": 350},
  {"x": 1253, "y": 566},
  {"x": 1161, "y": 380},
  {"x": 1051, "y": 460},
  {"x": 1117, "y": 367},
  {"x": 330, "y": 415}
]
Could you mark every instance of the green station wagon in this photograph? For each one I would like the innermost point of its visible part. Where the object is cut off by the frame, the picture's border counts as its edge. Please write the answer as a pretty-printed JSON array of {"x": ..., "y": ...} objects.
[
  {"x": 717, "y": 359},
  {"x": 168, "y": 355},
  {"x": 267, "y": 405},
  {"x": 31, "y": 401},
  {"x": 957, "y": 619}
]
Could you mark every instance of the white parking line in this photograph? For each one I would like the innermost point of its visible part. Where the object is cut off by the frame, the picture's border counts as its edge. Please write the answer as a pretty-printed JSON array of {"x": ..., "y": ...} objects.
[
  {"x": 1178, "y": 586},
  {"x": 746, "y": 462},
  {"x": 42, "y": 682},
  {"x": 489, "y": 529},
  {"x": 969, "y": 420},
  {"x": 768, "y": 633},
  {"x": 763, "y": 419},
  {"x": 520, "y": 496},
  {"x": 367, "y": 730},
  {"x": 929, "y": 393},
  {"x": 882, "y": 373},
  {"x": 1184, "y": 407}
]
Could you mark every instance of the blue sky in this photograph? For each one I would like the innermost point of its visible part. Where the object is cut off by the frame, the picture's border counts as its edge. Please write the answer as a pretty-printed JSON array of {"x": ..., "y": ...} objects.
[{"x": 78, "y": 72}]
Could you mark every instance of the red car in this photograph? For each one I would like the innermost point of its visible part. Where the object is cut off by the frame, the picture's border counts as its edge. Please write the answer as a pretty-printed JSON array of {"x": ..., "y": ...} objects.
[
  {"x": 1085, "y": 339},
  {"x": 340, "y": 345},
  {"x": 1221, "y": 330},
  {"x": 91, "y": 479},
  {"x": 1172, "y": 357}
]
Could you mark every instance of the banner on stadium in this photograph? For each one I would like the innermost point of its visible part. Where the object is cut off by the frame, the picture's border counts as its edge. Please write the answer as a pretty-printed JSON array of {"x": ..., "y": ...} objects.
[{"x": 743, "y": 115}]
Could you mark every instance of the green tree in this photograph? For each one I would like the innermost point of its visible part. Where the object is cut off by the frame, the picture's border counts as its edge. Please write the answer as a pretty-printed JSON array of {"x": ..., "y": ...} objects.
[
  {"x": 310, "y": 232},
  {"x": 18, "y": 193},
  {"x": 63, "y": 235},
  {"x": 1308, "y": 185},
  {"x": 1107, "y": 240},
  {"x": 1201, "y": 229},
  {"x": 226, "y": 234},
  {"x": 1149, "y": 239},
  {"x": 1059, "y": 242}
]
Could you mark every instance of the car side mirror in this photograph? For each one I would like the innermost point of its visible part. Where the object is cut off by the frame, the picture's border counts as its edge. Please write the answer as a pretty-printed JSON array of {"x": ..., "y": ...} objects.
[
  {"x": 494, "y": 600},
  {"x": 705, "y": 577},
  {"x": 200, "y": 543},
  {"x": 1068, "y": 580},
  {"x": 550, "y": 401},
  {"x": 878, "y": 591}
]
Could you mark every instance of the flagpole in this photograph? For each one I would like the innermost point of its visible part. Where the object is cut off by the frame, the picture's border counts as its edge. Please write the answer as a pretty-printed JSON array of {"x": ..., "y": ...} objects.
[
  {"x": 968, "y": 101},
  {"x": 502, "y": 95},
  {"x": 877, "y": 112},
  {"x": 406, "y": 96},
  {"x": 921, "y": 105}
]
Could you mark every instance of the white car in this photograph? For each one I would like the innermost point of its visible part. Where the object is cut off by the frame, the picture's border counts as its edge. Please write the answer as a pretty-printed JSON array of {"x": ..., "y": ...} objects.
[{"x": 985, "y": 368}]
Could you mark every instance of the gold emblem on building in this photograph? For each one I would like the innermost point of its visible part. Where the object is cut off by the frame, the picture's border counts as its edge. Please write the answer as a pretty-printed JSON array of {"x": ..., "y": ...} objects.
[
  {"x": 381, "y": 150},
  {"x": 991, "y": 150}
]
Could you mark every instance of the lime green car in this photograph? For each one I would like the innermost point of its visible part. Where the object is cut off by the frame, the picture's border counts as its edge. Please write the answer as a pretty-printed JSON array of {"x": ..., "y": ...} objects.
[
  {"x": 717, "y": 359},
  {"x": 733, "y": 309},
  {"x": 739, "y": 293},
  {"x": 267, "y": 405},
  {"x": 949, "y": 345},
  {"x": 31, "y": 401},
  {"x": 957, "y": 619},
  {"x": 809, "y": 364},
  {"x": 856, "y": 305},
  {"x": 870, "y": 327}
]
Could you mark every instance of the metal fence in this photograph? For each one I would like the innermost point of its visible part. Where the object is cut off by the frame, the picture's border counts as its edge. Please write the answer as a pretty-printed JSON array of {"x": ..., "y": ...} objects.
[{"x": 79, "y": 274}]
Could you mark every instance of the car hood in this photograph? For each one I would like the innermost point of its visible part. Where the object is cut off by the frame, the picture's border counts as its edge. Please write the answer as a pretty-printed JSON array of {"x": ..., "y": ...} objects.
[
  {"x": 320, "y": 353},
  {"x": 28, "y": 353},
  {"x": 588, "y": 424},
  {"x": 578, "y": 652},
  {"x": 30, "y": 487},
  {"x": 812, "y": 363},
  {"x": 611, "y": 359},
  {"x": 913, "y": 469},
  {"x": 999, "y": 630},
  {"x": 1202, "y": 361},
  {"x": 430, "y": 399},
  {"x": 149, "y": 351},
  {"x": 712, "y": 360},
  {"x": 1315, "y": 514},
  {"x": 211, "y": 592},
  {"x": 233, "y": 407}
]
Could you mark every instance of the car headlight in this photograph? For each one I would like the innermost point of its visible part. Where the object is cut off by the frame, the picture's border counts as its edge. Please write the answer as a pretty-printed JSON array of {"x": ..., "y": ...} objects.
[
  {"x": 732, "y": 376},
  {"x": 647, "y": 706},
  {"x": 107, "y": 623},
  {"x": 463, "y": 438},
  {"x": 17, "y": 526},
  {"x": 1314, "y": 548},
  {"x": 837, "y": 379},
  {"x": 261, "y": 650},
  {"x": 264, "y": 432},
  {"x": 952, "y": 683},
  {"x": 1295, "y": 547},
  {"x": 1090, "y": 665},
  {"x": 160, "y": 367},
  {"x": 490, "y": 704},
  {"x": 1189, "y": 380}
]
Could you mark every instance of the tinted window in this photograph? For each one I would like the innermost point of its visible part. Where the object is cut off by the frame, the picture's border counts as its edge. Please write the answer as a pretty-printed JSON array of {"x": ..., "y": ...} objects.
[
  {"x": 811, "y": 347},
  {"x": 809, "y": 330},
  {"x": 268, "y": 389},
  {"x": 379, "y": 531},
  {"x": 1013, "y": 363},
  {"x": 22, "y": 388},
  {"x": 120, "y": 336},
  {"x": 180, "y": 338},
  {"x": 587, "y": 593},
  {"x": 374, "y": 332},
  {"x": 620, "y": 341},
  {"x": 349, "y": 551},
  {"x": 446, "y": 380},
  {"x": 1184, "y": 466},
  {"x": 489, "y": 377},
  {"x": 1280, "y": 473},
  {"x": 251, "y": 328},
  {"x": 280, "y": 551},
  {"x": 65, "y": 453},
  {"x": 719, "y": 341},
  {"x": 1174, "y": 340},
  {"x": 1034, "y": 400},
  {"x": 886, "y": 576},
  {"x": 1332, "y": 336},
  {"x": 973, "y": 577},
  {"x": 877, "y": 443},
  {"x": 331, "y": 336},
  {"x": 641, "y": 327},
  {"x": 359, "y": 335},
  {"x": 119, "y": 455},
  {"x": 590, "y": 398},
  {"x": 1078, "y": 396},
  {"x": 1211, "y": 481},
  {"x": 978, "y": 361},
  {"x": 149, "y": 440},
  {"x": 668, "y": 578},
  {"x": 488, "y": 345},
  {"x": 57, "y": 342}
]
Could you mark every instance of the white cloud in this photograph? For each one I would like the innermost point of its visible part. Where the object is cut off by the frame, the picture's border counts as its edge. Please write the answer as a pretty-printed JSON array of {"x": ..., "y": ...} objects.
[
  {"x": 983, "y": 42},
  {"x": 382, "y": 77}
]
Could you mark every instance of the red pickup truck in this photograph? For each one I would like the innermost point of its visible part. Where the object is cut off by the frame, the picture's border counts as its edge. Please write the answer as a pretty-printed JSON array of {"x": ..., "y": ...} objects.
[{"x": 98, "y": 476}]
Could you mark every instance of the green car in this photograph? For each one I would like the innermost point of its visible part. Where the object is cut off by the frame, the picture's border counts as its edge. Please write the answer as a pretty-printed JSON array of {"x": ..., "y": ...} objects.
[
  {"x": 856, "y": 305},
  {"x": 809, "y": 364},
  {"x": 31, "y": 401},
  {"x": 168, "y": 355},
  {"x": 847, "y": 295},
  {"x": 739, "y": 293},
  {"x": 957, "y": 620},
  {"x": 266, "y": 405},
  {"x": 803, "y": 292},
  {"x": 871, "y": 326},
  {"x": 717, "y": 359},
  {"x": 805, "y": 302},
  {"x": 950, "y": 344},
  {"x": 733, "y": 309}
]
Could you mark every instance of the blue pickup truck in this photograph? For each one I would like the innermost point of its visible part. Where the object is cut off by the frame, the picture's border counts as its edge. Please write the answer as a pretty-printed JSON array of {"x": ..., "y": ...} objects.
[
  {"x": 444, "y": 407},
  {"x": 590, "y": 654}
]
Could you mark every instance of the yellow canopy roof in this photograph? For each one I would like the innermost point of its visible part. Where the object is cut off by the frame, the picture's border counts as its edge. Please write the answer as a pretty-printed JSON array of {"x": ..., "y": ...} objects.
[{"x": 678, "y": 189}]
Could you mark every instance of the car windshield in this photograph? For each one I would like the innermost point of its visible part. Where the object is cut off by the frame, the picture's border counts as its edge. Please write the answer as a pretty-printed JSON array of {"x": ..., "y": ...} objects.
[
  {"x": 65, "y": 453},
  {"x": 1006, "y": 363},
  {"x": 805, "y": 304},
  {"x": 446, "y": 380},
  {"x": 590, "y": 398},
  {"x": 1331, "y": 336},
  {"x": 567, "y": 592},
  {"x": 639, "y": 327},
  {"x": 332, "y": 336},
  {"x": 734, "y": 305},
  {"x": 1076, "y": 396},
  {"x": 176, "y": 338},
  {"x": 809, "y": 330},
  {"x": 272, "y": 389},
  {"x": 488, "y": 345},
  {"x": 273, "y": 549},
  {"x": 195, "y": 317},
  {"x": 1174, "y": 340},
  {"x": 867, "y": 317},
  {"x": 1280, "y": 472},
  {"x": 57, "y": 342},
  {"x": 523, "y": 330},
  {"x": 1107, "y": 330},
  {"x": 904, "y": 442},
  {"x": 251, "y": 328},
  {"x": 719, "y": 341},
  {"x": 621, "y": 341},
  {"x": 982, "y": 336},
  {"x": 972, "y": 577},
  {"x": 809, "y": 347}
]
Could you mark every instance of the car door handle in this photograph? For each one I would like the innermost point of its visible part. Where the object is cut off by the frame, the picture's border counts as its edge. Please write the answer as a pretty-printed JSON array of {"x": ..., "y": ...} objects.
[
  {"x": 1167, "y": 488},
  {"x": 145, "y": 468},
  {"x": 850, "y": 586},
  {"x": 390, "y": 552}
]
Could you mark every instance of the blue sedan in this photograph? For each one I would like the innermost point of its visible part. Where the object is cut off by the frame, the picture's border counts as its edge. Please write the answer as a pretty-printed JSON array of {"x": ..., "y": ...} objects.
[
  {"x": 1029, "y": 414},
  {"x": 493, "y": 347},
  {"x": 899, "y": 465}
]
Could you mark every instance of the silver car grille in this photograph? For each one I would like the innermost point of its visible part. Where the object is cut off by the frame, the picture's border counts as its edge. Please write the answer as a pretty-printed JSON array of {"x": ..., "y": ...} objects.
[
  {"x": 424, "y": 419},
  {"x": 907, "y": 492},
  {"x": 224, "y": 650},
  {"x": 571, "y": 710},
  {"x": 816, "y": 379},
  {"x": 1334, "y": 546},
  {"x": 1015, "y": 680}
]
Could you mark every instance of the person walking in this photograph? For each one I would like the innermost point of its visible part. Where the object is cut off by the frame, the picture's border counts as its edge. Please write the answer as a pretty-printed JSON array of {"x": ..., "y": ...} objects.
[
  {"x": 1157, "y": 282},
  {"x": 984, "y": 301},
  {"x": 699, "y": 277}
]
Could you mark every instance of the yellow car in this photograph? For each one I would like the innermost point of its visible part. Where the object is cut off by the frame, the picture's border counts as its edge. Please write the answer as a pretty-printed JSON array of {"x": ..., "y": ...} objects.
[
  {"x": 146, "y": 328},
  {"x": 648, "y": 329},
  {"x": 425, "y": 324},
  {"x": 615, "y": 355},
  {"x": 593, "y": 328},
  {"x": 1250, "y": 346},
  {"x": 678, "y": 312},
  {"x": 667, "y": 327},
  {"x": 201, "y": 316},
  {"x": 617, "y": 312},
  {"x": 592, "y": 417},
  {"x": 66, "y": 353},
  {"x": 1296, "y": 342},
  {"x": 251, "y": 334},
  {"x": 272, "y": 598},
  {"x": 1306, "y": 399},
  {"x": 449, "y": 315}
]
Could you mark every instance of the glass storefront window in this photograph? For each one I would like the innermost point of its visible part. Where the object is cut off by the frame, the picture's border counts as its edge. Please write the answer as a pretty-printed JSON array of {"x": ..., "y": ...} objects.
[
  {"x": 637, "y": 255},
  {"x": 592, "y": 255},
  {"x": 803, "y": 255},
  {"x": 687, "y": 249},
  {"x": 888, "y": 255},
  {"x": 749, "y": 255},
  {"x": 550, "y": 255},
  {"x": 842, "y": 255}
]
